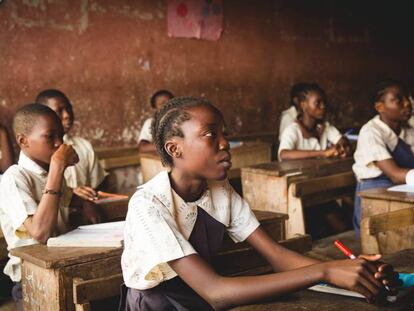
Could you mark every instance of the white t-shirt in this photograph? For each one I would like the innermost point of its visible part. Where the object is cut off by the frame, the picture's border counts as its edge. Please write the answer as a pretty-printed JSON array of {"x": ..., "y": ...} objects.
[
  {"x": 20, "y": 193},
  {"x": 292, "y": 139},
  {"x": 158, "y": 226},
  {"x": 88, "y": 171},
  {"x": 375, "y": 141},
  {"x": 287, "y": 118},
  {"x": 145, "y": 133}
]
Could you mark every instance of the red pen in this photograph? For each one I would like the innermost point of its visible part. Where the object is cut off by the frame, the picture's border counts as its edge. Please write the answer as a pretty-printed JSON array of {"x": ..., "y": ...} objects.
[{"x": 344, "y": 249}]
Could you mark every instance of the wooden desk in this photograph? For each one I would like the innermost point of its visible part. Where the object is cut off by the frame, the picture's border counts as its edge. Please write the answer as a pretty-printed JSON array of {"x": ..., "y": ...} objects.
[
  {"x": 307, "y": 300},
  {"x": 48, "y": 273},
  {"x": 266, "y": 186},
  {"x": 250, "y": 153},
  {"x": 379, "y": 201}
]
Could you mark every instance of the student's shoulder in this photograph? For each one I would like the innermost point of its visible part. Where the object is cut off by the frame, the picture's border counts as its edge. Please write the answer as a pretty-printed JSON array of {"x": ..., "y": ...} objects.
[
  {"x": 148, "y": 122},
  {"x": 80, "y": 140},
  {"x": 371, "y": 128},
  {"x": 292, "y": 129},
  {"x": 154, "y": 193},
  {"x": 14, "y": 173}
]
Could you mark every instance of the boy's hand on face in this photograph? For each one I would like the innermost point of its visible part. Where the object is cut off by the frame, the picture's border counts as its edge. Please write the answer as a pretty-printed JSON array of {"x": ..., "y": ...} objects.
[
  {"x": 86, "y": 193},
  {"x": 65, "y": 156}
]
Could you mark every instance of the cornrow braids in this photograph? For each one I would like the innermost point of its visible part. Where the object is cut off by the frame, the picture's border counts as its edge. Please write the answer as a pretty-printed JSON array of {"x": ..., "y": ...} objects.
[
  {"x": 167, "y": 122},
  {"x": 295, "y": 91},
  {"x": 381, "y": 89},
  {"x": 305, "y": 91}
]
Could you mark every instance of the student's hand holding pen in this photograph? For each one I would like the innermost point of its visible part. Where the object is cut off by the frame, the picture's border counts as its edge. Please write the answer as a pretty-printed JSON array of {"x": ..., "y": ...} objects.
[{"x": 86, "y": 193}]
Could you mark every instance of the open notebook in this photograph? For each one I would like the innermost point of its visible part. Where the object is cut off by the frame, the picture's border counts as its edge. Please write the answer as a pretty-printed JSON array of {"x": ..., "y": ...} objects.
[
  {"x": 109, "y": 234},
  {"x": 402, "y": 188}
]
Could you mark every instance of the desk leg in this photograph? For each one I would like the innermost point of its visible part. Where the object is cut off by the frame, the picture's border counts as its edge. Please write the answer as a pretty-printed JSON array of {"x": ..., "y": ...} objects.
[{"x": 41, "y": 288}]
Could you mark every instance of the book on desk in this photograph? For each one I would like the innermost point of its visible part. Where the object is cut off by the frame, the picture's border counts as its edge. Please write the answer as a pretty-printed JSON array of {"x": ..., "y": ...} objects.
[{"x": 109, "y": 234}]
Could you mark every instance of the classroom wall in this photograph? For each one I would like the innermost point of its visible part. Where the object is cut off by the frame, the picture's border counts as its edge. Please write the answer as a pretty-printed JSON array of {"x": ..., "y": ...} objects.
[{"x": 110, "y": 55}]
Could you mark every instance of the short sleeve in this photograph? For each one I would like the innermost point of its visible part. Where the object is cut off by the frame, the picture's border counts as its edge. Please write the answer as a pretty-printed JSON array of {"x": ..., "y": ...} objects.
[
  {"x": 20, "y": 203},
  {"x": 371, "y": 147},
  {"x": 243, "y": 222},
  {"x": 289, "y": 139},
  {"x": 286, "y": 120},
  {"x": 151, "y": 239},
  {"x": 145, "y": 133},
  {"x": 96, "y": 171},
  {"x": 333, "y": 135}
]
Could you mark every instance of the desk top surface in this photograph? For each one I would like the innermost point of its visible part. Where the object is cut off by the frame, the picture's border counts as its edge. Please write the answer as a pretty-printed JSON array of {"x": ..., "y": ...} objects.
[
  {"x": 56, "y": 257},
  {"x": 303, "y": 300},
  {"x": 384, "y": 194},
  {"x": 282, "y": 168}
]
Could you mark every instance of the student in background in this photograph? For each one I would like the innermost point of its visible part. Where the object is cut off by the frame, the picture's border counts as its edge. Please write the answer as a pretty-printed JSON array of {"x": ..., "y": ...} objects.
[
  {"x": 384, "y": 153},
  {"x": 6, "y": 151},
  {"x": 176, "y": 223},
  {"x": 33, "y": 197},
  {"x": 145, "y": 140},
  {"x": 289, "y": 115},
  {"x": 87, "y": 176},
  {"x": 310, "y": 136}
]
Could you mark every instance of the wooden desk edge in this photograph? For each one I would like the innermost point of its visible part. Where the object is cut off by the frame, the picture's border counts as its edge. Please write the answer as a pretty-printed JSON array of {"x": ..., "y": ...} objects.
[
  {"x": 37, "y": 255},
  {"x": 384, "y": 194}
]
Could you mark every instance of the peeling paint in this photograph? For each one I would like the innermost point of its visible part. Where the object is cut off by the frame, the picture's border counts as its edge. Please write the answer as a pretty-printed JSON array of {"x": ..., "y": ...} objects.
[{"x": 84, "y": 19}]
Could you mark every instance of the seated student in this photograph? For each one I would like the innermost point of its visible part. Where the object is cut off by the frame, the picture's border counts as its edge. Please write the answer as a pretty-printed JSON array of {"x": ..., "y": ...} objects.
[
  {"x": 310, "y": 136},
  {"x": 33, "y": 195},
  {"x": 145, "y": 140},
  {"x": 6, "y": 151},
  {"x": 87, "y": 176},
  {"x": 384, "y": 154},
  {"x": 176, "y": 223},
  {"x": 289, "y": 115}
]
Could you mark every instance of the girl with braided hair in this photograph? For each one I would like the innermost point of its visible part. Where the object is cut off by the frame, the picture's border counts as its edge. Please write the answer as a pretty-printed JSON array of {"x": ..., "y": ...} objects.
[{"x": 176, "y": 223}]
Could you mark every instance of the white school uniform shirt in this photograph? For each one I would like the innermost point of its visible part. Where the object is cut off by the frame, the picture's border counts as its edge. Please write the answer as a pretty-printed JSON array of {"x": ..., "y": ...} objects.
[
  {"x": 88, "y": 171},
  {"x": 159, "y": 224},
  {"x": 145, "y": 133},
  {"x": 375, "y": 142},
  {"x": 292, "y": 139},
  {"x": 287, "y": 118},
  {"x": 20, "y": 193}
]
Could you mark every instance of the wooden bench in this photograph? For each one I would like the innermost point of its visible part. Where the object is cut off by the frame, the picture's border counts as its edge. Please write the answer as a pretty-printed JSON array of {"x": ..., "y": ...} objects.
[
  {"x": 308, "y": 192},
  {"x": 275, "y": 186},
  {"x": 383, "y": 232},
  {"x": 381, "y": 202}
]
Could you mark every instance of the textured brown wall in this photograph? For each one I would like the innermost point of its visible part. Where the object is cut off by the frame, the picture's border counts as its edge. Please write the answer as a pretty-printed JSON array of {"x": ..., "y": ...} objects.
[{"x": 110, "y": 55}]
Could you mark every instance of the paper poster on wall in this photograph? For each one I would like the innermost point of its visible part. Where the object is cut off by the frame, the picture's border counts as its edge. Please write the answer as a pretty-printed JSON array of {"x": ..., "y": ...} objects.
[{"x": 201, "y": 19}]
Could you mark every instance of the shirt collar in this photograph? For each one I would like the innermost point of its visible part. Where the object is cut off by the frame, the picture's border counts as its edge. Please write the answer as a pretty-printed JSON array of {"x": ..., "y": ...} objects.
[
  {"x": 160, "y": 187},
  {"x": 386, "y": 129},
  {"x": 29, "y": 164}
]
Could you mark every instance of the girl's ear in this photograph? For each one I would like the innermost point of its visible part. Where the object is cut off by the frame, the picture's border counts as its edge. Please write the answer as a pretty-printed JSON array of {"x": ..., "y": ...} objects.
[
  {"x": 173, "y": 148},
  {"x": 379, "y": 107},
  {"x": 21, "y": 140}
]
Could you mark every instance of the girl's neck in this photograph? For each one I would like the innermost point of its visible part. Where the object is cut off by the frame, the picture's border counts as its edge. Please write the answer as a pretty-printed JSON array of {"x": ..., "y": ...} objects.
[
  {"x": 188, "y": 188},
  {"x": 309, "y": 122},
  {"x": 394, "y": 125}
]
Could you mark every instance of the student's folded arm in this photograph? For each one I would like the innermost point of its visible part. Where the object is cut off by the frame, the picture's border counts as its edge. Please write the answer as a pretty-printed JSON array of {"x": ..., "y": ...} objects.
[
  {"x": 225, "y": 292},
  {"x": 42, "y": 223},
  {"x": 392, "y": 170},
  {"x": 286, "y": 154},
  {"x": 281, "y": 258}
]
